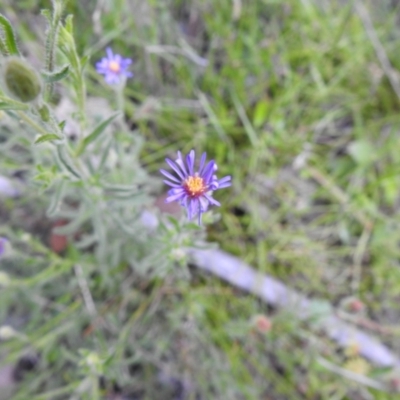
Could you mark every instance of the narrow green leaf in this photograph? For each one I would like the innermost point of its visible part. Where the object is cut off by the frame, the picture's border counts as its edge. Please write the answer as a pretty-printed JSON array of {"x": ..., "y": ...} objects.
[
  {"x": 62, "y": 125},
  {"x": 248, "y": 127},
  {"x": 67, "y": 162},
  {"x": 3, "y": 47},
  {"x": 56, "y": 199},
  {"x": 105, "y": 153},
  {"x": 84, "y": 61},
  {"x": 55, "y": 76},
  {"x": 47, "y": 14},
  {"x": 86, "y": 241},
  {"x": 69, "y": 26},
  {"x": 5, "y": 105},
  {"x": 47, "y": 138},
  {"x": 124, "y": 225},
  {"x": 10, "y": 40},
  {"x": 71, "y": 227},
  {"x": 96, "y": 133},
  {"x": 120, "y": 188},
  {"x": 260, "y": 113}
]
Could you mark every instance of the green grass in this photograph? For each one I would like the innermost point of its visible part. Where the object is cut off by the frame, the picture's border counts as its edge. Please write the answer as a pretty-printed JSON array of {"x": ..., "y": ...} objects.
[{"x": 284, "y": 80}]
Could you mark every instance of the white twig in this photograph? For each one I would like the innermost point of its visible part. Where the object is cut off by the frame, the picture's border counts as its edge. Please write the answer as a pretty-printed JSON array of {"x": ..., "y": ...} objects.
[{"x": 274, "y": 292}]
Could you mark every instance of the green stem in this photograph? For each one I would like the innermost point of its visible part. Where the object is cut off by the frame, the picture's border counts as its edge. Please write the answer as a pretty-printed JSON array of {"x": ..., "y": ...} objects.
[
  {"x": 95, "y": 387},
  {"x": 82, "y": 100},
  {"x": 32, "y": 123},
  {"x": 120, "y": 97},
  {"x": 121, "y": 102},
  {"x": 51, "y": 42}
]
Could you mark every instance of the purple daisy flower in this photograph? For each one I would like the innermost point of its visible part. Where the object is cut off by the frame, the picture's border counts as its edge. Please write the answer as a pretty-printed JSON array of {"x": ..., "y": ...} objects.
[
  {"x": 114, "y": 67},
  {"x": 3, "y": 242},
  {"x": 193, "y": 189}
]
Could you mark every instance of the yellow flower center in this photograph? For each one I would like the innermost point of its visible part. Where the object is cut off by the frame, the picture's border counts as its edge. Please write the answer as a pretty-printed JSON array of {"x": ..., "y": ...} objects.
[
  {"x": 194, "y": 186},
  {"x": 114, "y": 66}
]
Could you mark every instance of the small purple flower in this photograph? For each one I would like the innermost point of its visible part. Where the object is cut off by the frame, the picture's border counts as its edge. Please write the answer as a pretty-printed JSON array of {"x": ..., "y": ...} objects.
[
  {"x": 3, "y": 242},
  {"x": 114, "y": 67},
  {"x": 193, "y": 189}
]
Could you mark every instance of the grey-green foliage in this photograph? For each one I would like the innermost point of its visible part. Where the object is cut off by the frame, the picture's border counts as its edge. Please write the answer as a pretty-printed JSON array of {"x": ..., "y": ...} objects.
[
  {"x": 96, "y": 185},
  {"x": 96, "y": 181}
]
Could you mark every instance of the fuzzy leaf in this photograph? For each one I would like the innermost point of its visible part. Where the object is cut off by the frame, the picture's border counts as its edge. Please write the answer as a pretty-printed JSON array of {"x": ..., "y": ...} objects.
[
  {"x": 10, "y": 40},
  {"x": 47, "y": 14},
  {"x": 55, "y": 76},
  {"x": 47, "y": 138},
  {"x": 62, "y": 125},
  {"x": 67, "y": 162},
  {"x": 5, "y": 105},
  {"x": 56, "y": 199},
  {"x": 69, "y": 25},
  {"x": 96, "y": 133},
  {"x": 3, "y": 47}
]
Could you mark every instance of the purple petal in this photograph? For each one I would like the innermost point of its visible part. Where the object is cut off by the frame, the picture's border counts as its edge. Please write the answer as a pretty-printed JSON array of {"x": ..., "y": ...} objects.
[
  {"x": 112, "y": 78},
  {"x": 212, "y": 200},
  {"x": 103, "y": 63},
  {"x": 190, "y": 161},
  {"x": 208, "y": 171},
  {"x": 177, "y": 190},
  {"x": 202, "y": 161},
  {"x": 3, "y": 242},
  {"x": 184, "y": 201},
  {"x": 224, "y": 182},
  {"x": 172, "y": 184},
  {"x": 175, "y": 168},
  {"x": 169, "y": 176},
  {"x": 179, "y": 162},
  {"x": 193, "y": 208},
  {"x": 126, "y": 62},
  {"x": 110, "y": 54},
  {"x": 203, "y": 204},
  {"x": 214, "y": 185},
  {"x": 174, "y": 197}
]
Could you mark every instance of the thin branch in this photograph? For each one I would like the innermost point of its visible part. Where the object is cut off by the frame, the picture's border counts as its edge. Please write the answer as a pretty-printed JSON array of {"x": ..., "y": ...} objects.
[{"x": 274, "y": 292}]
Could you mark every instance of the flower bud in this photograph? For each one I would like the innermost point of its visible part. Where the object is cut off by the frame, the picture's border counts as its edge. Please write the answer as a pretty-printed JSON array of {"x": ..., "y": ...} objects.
[
  {"x": 22, "y": 81},
  {"x": 262, "y": 323}
]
